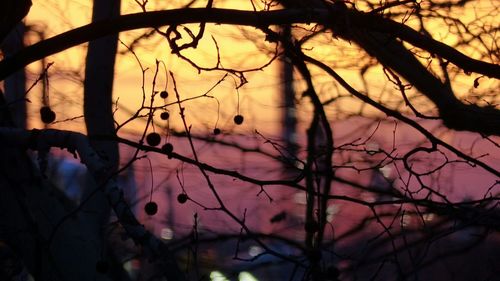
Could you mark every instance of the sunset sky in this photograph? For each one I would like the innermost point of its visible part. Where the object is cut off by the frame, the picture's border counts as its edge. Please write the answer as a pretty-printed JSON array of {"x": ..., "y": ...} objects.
[
  {"x": 366, "y": 141},
  {"x": 258, "y": 98},
  {"x": 240, "y": 48}
]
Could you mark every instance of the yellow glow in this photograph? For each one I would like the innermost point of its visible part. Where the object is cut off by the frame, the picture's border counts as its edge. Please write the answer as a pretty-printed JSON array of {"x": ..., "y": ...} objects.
[
  {"x": 167, "y": 233},
  {"x": 239, "y": 48},
  {"x": 257, "y": 98},
  {"x": 246, "y": 276},
  {"x": 217, "y": 276}
]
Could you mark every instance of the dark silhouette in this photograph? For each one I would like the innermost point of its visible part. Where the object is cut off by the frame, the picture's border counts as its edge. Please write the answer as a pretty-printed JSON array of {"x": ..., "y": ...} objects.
[{"x": 389, "y": 156}]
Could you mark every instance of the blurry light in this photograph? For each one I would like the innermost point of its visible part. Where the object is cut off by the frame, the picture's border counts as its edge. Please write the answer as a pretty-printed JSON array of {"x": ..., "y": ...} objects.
[
  {"x": 254, "y": 251},
  {"x": 217, "y": 276},
  {"x": 167, "y": 233},
  {"x": 429, "y": 217},
  {"x": 331, "y": 211},
  {"x": 299, "y": 164},
  {"x": 386, "y": 171},
  {"x": 405, "y": 220},
  {"x": 246, "y": 276},
  {"x": 127, "y": 266},
  {"x": 300, "y": 198},
  {"x": 132, "y": 268}
]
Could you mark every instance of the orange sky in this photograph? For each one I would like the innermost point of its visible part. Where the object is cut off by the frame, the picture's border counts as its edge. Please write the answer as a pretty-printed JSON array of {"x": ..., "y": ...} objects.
[{"x": 258, "y": 99}]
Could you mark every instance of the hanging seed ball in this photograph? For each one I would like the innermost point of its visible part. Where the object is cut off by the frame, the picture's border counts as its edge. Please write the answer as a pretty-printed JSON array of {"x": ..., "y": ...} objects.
[
  {"x": 312, "y": 227},
  {"x": 101, "y": 266},
  {"x": 47, "y": 115},
  {"x": 216, "y": 131},
  {"x": 151, "y": 208},
  {"x": 164, "y": 115},
  {"x": 167, "y": 148},
  {"x": 153, "y": 139},
  {"x": 163, "y": 94},
  {"x": 238, "y": 119},
  {"x": 182, "y": 198}
]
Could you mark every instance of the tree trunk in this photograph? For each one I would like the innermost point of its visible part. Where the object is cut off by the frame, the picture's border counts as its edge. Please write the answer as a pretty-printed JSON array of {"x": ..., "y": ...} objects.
[
  {"x": 98, "y": 90},
  {"x": 99, "y": 76},
  {"x": 15, "y": 85}
]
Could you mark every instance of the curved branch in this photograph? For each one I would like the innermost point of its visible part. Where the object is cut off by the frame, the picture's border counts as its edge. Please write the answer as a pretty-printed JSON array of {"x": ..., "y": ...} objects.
[
  {"x": 237, "y": 17},
  {"x": 374, "y": 22},
  {"x": 374, "y": 33},
  {"x": 102, "y": 28},
  {"x": 455, "y": 114}
]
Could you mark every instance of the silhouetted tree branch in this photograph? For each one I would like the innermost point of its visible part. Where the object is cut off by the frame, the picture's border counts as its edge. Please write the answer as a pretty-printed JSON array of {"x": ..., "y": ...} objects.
[
  {"x": 12, "y": 12},
  {"x": 373, "y": 33}
]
